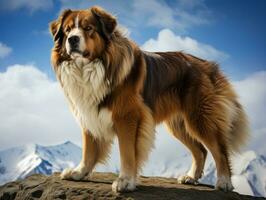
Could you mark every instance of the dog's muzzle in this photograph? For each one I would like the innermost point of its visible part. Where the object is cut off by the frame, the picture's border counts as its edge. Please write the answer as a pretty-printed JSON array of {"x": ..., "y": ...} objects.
[{"x": 74, "y": 43}]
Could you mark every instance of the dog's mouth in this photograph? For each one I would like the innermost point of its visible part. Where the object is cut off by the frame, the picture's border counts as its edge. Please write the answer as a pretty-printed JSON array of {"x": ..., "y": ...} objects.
[{"x": 74, "y": 53}]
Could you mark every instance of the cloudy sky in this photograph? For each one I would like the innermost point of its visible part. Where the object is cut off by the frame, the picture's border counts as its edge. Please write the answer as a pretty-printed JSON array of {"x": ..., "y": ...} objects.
[{"x": 32, "y": 107}]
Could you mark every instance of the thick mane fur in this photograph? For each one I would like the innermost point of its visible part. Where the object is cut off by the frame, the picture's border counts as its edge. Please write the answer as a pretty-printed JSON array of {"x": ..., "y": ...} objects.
[{"x": 118, "y": 58}]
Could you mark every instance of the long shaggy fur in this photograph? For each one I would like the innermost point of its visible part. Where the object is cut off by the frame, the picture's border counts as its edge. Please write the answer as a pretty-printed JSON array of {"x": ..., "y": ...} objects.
[{"x": 115, "y": 88}]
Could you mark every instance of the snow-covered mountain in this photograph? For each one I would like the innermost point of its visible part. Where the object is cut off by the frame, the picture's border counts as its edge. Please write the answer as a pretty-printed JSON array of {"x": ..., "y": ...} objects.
[
  {"x": 249, "y": 174},
  {"x": 19, "y": 162},
  {"x": 251, "y": 168}
]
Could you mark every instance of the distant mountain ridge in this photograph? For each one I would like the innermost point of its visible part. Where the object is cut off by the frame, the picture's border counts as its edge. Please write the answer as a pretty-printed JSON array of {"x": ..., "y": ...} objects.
[{"x": 19, "y": 162}]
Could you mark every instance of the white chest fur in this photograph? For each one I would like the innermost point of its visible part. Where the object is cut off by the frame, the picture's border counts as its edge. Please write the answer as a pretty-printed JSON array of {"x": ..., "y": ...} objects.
[{"x": 85, "y": 86}]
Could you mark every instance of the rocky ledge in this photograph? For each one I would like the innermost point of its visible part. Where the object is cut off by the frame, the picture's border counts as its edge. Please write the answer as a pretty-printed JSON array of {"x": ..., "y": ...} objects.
[{"x": 99, "y": 187}]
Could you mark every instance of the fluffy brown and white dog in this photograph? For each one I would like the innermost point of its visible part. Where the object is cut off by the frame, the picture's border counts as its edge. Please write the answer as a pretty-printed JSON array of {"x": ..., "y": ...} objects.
[{"x": 115, "y": 89}]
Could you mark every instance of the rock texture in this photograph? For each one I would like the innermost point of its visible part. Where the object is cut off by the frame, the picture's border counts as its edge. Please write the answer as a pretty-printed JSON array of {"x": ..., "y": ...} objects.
[{"x": 99, "y": 187}]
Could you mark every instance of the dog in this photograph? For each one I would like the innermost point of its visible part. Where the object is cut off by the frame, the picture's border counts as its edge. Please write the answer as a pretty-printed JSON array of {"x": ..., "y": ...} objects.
[{"x": 114, "y": 89}]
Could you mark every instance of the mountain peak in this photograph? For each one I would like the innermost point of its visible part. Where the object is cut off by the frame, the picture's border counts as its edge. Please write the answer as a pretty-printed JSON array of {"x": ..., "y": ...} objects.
[{"x": 67, "y": 142}]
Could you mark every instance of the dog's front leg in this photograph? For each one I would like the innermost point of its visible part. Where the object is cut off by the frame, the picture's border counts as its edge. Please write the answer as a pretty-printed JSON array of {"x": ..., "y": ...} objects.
[
  {"x": 126, "y": 133},
  {"x": 93, "y": 151}
]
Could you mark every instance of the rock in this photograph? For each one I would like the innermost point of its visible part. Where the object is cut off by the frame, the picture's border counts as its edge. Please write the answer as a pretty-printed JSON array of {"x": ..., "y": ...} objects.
[{"x": 99, "y": 187}]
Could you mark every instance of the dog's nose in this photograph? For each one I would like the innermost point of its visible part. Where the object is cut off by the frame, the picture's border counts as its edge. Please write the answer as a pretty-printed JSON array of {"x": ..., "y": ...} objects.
[{"x": 73, "y": 40}]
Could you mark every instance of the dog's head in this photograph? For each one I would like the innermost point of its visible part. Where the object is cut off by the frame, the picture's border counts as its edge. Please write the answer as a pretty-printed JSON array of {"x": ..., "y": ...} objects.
[{"x": 83, "y": 32}]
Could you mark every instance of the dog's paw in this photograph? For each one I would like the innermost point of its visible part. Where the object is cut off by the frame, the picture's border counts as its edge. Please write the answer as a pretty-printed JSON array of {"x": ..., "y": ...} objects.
[
  {"x": 124, "y": 185},
  {"x": 76, "y": 174},
  {"x": 224, "y": 184},
  {"x": 187, "y": 180}
]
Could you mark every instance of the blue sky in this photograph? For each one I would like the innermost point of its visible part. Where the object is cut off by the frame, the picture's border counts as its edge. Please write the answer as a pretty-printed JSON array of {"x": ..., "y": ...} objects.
[
  {"x": 32, "y": 106},
  {"x": 236, "y": 28}
]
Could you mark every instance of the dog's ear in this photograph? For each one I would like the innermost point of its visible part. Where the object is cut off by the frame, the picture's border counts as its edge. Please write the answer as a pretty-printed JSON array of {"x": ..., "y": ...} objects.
[
  {"x": 105, "y": 21},
  {"x": 56, "y": 27}
]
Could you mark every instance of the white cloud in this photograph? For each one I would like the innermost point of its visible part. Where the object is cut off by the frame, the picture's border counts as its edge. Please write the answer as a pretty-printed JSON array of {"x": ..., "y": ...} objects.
[
  {"x": 32, "y": 5},
  {"x": 168, "y": 41},
  {"x": 33, "y": 109},
  {"x": 155, "y": 13},
  {"x": 181, "y": 15},
  {"x": 4, "y": 50},
  {"x": 252, "y": 94}
]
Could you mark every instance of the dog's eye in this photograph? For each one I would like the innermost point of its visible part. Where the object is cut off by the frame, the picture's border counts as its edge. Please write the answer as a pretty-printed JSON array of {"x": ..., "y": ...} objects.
[
  {"x": 68, "y": 29},
  {"x": 88, "y": 28}
]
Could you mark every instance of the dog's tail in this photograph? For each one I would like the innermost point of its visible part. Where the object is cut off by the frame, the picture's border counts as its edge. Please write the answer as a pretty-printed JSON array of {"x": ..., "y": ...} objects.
[{"x": 239, "y": 133}]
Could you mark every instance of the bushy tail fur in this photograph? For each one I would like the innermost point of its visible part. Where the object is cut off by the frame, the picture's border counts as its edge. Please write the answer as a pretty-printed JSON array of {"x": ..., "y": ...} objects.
[{"x": 239, "y": 129}]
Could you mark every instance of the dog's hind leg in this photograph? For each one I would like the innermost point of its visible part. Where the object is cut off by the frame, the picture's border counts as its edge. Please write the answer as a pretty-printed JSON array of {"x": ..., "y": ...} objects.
[
  {"x": 177, "y": 128},
  {"x": 209, "y": 122}
]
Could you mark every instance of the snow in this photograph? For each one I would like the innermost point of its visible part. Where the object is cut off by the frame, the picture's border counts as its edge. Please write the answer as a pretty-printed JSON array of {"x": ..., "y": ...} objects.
[
  {"x": 241, "y": 185},
  {"x": 241, "y": 162}
]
